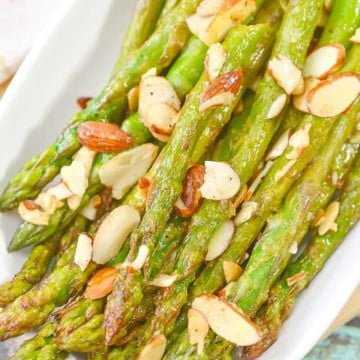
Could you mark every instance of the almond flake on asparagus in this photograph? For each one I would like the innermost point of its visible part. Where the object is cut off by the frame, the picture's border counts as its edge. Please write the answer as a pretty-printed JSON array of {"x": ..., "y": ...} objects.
[
  {"x": 279, "y": 174},
  {"x": 277, "y": 106},
  {"x": 333, "y": 96},
  {"x": 232, "y": 271},
  {"x": 221, "y": 182},
  {"x": 293, "y": 249},
  {"x": 125, "y": 169},
  {"x": 285, "y": 73},
  {"x": 324, "y": 61},
  {"x": 74, "y": 202},
  {"x": 227, "y": 320},
  {"x": 210, "y": 7},
  {"x": 133, "y": 98},
  {"x": 60, "y": 191},
  {"x": 83, "y": 252},
  {"x": 356, "y": 37},
  {"x": 154, "y": 349},
  {"x": 292, "y": 280},
  {"x": 299, "y": 101},
  {"x": 328, "y": 221},
  {"x": 113, "y": 232},
  {"x": 198, "y": 328},
  {"x": 255, "y": 184},
  {"x": 215, "y": 60},
  {"x": 280, "y": 146},
  {"x": 90, "y": 210},
  {"x": 141, "y": 257},
  {"x": 163, "y": 280},
  {"x": 222, "y": 90},
  {"x": 248, "y": 209},
  {"x": 101, "y": 283},
  {"x": 299, "y": 141},
  {"x": 220, "y": 240}
]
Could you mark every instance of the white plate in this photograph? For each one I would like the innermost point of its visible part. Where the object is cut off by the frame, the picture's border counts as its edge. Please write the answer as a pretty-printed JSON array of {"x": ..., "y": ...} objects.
[{"x": 73, "y": 58}]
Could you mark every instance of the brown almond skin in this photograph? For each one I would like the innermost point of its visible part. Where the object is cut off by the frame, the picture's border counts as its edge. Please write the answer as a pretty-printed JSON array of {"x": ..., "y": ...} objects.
[
  {"x": 227, "y": 82},
  {"x": 103, "y": 137},
  {"x": 30, "y": 204},
  {"x": 101, "y": 284},
  {"x": 83, "y": 101}
]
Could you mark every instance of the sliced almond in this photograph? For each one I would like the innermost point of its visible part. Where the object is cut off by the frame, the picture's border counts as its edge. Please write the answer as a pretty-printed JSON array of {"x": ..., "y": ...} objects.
[
  {"x": 125, "y": 169},
  {"x": 324, "y": 61},
  {"x": 280, "y": 146},
  {"x": 248, "y": 209},
  {"x": 299, "y": 141},
  {"x": 133, "y": 98},
  {"x": 150, "y": 73},
  {"x": 190, "y": 199},
  {"x": 334, "y": 95},
  {"x": 141, "y": 257},
  {"x": 91, "y": 208},
  {"x": 215, "y": 60},
  {"x": 60, "y": 191},
  {"x": 86, "y": 157},
  {"x": 83, "y": 251},
  {"x": 210, "y": 7},
  {"x": 293, "y": 249},
  {"x": 279, "y": 174},
  {"x": 285, "y": 73},
  {"x": 220, "y": 240},
  {"x": 156, "y": 90},
  {"x": 328, "y": 221},
  {"x": 74, "y": 202},
  {"x": 356, "y": 37},
  {"x": 227, "y": 320},
  {"x": 154, "y": 349},
  {"x": 277, "y": 106},
  {"x": 103, "y": 137},
  {"x": 222, "y": 90},
  {"x": 163, "y": 280},
  {"x": 198, "y": 328},
  {"x": 292, "y": 280},
  {"x": 255, "y": 184},
  {"x": 161, "y": 119},
  {"x": 232, "y": 271},
  {"x": 113, "y": 232},
  {"x": 101, "y": 283},
  {"x": 33, "y": 216},
  {"x": 299, "y": 101},
  {"x": 221, "y": 182},
  {"x": 198, "y": 25}
]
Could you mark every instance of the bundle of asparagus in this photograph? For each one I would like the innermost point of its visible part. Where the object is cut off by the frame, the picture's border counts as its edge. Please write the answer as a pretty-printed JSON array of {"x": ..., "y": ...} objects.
[{"x": 173, "y": 230}]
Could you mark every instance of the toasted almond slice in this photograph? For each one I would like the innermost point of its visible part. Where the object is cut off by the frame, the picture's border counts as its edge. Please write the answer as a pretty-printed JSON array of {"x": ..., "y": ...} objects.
[
  {"x": 222, "y": 90},
  {"x": 232, "y": 271},
  {"x": 324, "y": 60},
  {"x": 83, "y": 251},
  {"x": 280, "y": 146},
  {"x": 255, "y": 184},
  {"x": 156, "y": 90},
  {"x": 334, "y": 95},
  {"x": 154, "y": 349},
  {"x": 299, "y": 101},
  {"x": 101, "y": 283},
  {"x": 74, "y": 202},
  {"x": 133, "y": 98},
  {"x": 277, "y": 106},
  {"x": 327, "y": 221},
  {"x": 215, "y": 60},
  {"x": 48, "y": 203},
  {"x": 248, "y": 209},
  {"x": 279, "y": 174},
  {"x": 198, "y": 25},
  {"x": 163, "y": 280},
  {"x": 293, "y": 249},
  {"x": 74, "y": 177},
  {"x": 233, "y": 13},
  {"x": 285, "y": 73},
  {"x": 91, "y": 208},
  {"x": 292, "y": 280},
  {"x": 220, "y": 240},
  {"x": 85, "y": 156},
  {"x": 103, "y": 137},
  {"x": 227, "y": 320},
  {"x": 125, "y": 169},
  {"x": 210, "y": 7},
  {"x": 113, "y": 231},
  {"x": 150, "y": 73},
  {"x": 141, "y": 257},
  {"x": 33, "y": 216},
  {"x": 299, "y": 141},
  {"x": 161, "y": 119},
  {"x": 221, "y": 182},
  {"x": 60, "y": 191},
  {"x": 198, "y": 328},
  {"x": 356, "y": 37}
]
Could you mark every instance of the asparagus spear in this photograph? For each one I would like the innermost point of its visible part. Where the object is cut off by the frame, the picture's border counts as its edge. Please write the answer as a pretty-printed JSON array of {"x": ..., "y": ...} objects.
[
  {"x": 37, "y": 264},
  {"x": 141, "y": 27},
  {"x": 158, "y": 51},
  {"x": 282, "y": 297},
  {"x": 177, "y": 161},
  {"x": 183, "y": 75}
]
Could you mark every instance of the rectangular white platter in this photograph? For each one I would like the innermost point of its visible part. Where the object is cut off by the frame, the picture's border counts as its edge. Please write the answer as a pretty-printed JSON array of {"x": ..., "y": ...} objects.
[{"x": 74, "y": 57}]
